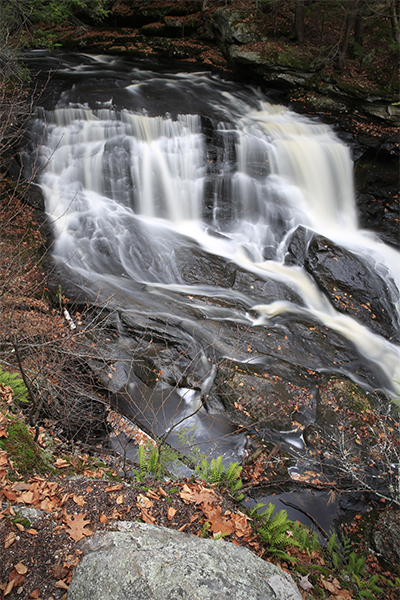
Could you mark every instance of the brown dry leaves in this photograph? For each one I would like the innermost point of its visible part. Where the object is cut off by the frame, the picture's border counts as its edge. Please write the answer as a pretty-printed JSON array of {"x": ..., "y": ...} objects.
[
  {"x": 76, "y": 527},
  {"x": 221, "y": 522}
]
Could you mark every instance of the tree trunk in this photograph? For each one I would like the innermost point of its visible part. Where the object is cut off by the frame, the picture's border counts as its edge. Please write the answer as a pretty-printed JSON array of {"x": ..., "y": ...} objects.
[
  {"x": 395, "y": 19},
  {"x": 350, "y": 21},
  {"x": 299, "y": 21}
]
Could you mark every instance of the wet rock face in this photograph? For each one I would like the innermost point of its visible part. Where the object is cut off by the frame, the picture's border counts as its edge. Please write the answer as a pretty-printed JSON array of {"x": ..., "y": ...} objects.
[
  {"x": 152, "y": 563},
  {"x": 377, "y": 184},
  {"x": 386, "y": 537},
  {"x": 231, "y": 28},
  {"x": 353, "y": 287},
  {"x": 351, "y": 284}
]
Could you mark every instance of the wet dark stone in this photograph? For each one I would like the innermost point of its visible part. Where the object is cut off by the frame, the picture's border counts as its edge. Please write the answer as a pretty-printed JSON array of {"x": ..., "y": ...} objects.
[
  {"x": 354, "y": 287},
  {"x": 377, "y": 184},
  {"x": 386, "y": 537},
  {"x": 297, "y": 246}
]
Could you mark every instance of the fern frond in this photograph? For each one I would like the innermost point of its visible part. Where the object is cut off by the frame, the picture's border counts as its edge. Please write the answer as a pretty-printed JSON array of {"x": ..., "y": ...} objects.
[
  {"x": 253, "y": 514},
  {"x": 266, "y": 515},
  {"x": 217, "y": 469}
]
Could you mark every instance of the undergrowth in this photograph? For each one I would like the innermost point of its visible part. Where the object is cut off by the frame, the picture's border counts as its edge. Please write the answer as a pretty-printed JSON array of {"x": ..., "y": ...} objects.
[
  {"x": 26, "y": 456},
  {"x": 17, "y": 385}
]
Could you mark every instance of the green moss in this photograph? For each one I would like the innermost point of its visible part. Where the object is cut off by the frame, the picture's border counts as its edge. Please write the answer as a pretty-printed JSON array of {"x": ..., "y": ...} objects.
[
  {"x": 24, "y": 522},
  {"x": 24, "y": 453}
]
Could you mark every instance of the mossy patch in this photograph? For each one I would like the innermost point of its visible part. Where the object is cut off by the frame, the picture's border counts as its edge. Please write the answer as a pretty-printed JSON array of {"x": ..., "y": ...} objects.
[{"x": 24, "y": 452}]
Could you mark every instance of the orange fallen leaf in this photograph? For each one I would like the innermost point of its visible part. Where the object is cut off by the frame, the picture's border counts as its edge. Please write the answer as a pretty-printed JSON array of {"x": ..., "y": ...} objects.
[
  {"x": 103, "y": 518},
  {"x": 120, "y": 499},
  {"x": 147, "y": 517},
  {"x": 3, "y": 458},
  {"x": 330, "y": 587},
  {"x": 12, "y": 496},
  {"x": 151, "y": 494},
  {"x": 171, "y": 511},
  {"x": 183, "y": 527},
  {"x": 344, "y": 595},
  {"x": 10, "y": 539},
  {"x": 35, "y": 593},
  {"x": 61, "y": 585},
  {"x": 60, "y": 463},
  {"x": 143, "y": 502},
  {"x": 19, "y": 526},
  {"x": 114, "y": 488},
  {"x": 78, "y": 500},
  {"x": 9, "y": 587},
  {"x": 76, "y": 527},
  {"x": 21, "y": 568},
  {"x": 219, "y": 524},
  {"x": 89, "y": 489},
  {"x": 32, "y": 531}
]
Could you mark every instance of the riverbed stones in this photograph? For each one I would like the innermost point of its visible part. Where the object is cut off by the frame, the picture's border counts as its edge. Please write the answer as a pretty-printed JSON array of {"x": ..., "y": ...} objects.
[{"x": 147, "y": 562}]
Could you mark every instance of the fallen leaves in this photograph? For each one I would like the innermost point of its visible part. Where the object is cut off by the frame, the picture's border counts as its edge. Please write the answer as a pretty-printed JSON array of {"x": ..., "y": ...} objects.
[
  {"x": 10, "y": 539},
  {"x": 61, "y": 463},
  {"x": 21, "y": 568},
  {"x": 226, "y": 523},
  {"x": 3, "y": 458},
  {"x": 171, "y": 512},
  {"x": 76, "y": 527}
]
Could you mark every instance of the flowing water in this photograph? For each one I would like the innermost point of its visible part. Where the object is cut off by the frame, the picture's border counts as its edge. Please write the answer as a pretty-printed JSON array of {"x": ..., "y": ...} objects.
[{"x": 173, "y": 196}]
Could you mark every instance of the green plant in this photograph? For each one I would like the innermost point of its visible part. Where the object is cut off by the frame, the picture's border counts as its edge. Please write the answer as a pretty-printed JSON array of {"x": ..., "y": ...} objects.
[
  {"x": 215, "y": 473},
  {"x": 187, "y": 439},
  {"x": 308, "y": 540},
  {"x": 204, "y": 530},
  {"x": 25, "y": 454},
  {"x": 154, "y": 461},
  {"x": 17, "y": 385},
  {"x": 345, "y": 559},
  {"x": 22, "y": 521},
  {"x": 273, "y": 530}
]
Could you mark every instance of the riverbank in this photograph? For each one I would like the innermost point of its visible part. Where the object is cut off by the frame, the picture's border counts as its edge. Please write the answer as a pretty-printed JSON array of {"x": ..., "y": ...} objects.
[{"x": 52, "y": 499}]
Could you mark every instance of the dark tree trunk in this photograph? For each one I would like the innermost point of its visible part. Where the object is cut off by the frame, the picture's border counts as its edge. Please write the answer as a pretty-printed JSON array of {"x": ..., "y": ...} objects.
[
  {"x": 349, "y": 25},
  {"x": 299, "y": 21},
  {"x": 395, "y": 19}
]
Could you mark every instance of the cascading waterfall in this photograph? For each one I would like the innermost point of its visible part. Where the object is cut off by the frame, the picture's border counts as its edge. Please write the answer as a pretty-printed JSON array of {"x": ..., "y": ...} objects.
[{"x": 134, "y": 192}]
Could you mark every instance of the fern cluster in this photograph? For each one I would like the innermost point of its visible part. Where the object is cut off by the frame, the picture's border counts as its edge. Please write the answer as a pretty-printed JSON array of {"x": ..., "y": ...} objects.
[
  {"x": 153, "y": 461},
  {"x": 345, "y": 559},
  {"x": 307, "y": 539},
  {"x": 274, "y": 530},
  {"x": 15, "y": 383},
  {"x": 215, "y": 473}
]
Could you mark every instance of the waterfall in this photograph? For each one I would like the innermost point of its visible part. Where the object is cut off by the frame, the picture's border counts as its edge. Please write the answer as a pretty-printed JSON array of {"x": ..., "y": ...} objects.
[{"x": 167, "y": 185}]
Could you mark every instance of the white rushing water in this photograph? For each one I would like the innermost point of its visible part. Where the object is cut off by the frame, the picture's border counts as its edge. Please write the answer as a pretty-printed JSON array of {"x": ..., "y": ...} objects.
[{"x": 130, "y": 189}]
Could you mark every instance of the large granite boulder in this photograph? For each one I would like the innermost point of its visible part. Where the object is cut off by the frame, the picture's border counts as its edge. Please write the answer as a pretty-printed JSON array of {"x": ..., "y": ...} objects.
[{"x": 147, "y": 562}]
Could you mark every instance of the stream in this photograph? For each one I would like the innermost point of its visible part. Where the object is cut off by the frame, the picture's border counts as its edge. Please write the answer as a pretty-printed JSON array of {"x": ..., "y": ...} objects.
[{"x": 221, "y": 229}]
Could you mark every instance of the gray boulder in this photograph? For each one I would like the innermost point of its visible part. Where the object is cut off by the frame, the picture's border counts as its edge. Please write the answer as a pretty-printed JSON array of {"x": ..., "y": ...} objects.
[{"x": 147, "y": 562}]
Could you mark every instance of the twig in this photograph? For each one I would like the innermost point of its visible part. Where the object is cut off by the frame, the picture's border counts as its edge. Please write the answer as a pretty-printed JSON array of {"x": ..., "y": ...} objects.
[{"x": 317, "y": 525}]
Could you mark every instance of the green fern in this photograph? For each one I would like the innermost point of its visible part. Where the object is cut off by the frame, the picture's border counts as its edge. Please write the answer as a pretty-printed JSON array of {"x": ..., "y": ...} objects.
[
  {"x": 308, "y": 540},
  {"x": 17, "y": 385},
  {"x": 273, "y": 532},
  {"x": 153, "y": 466},
  {"x": 355, "y": 565},
  {"x": 216, "y": 474},
  {"x": 217, "y": 470},
  {"x": 253, "y": 513}
]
